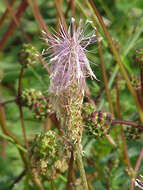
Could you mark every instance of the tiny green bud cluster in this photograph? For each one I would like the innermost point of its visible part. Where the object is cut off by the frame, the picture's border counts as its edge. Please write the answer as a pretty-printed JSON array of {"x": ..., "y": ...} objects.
[
  {"x": 136, "y": 83},
  {"x": 29, "y": 55},
  {"x": 36, "y": 101},
  {"x": 31, "y": 96},
  {"x": 87, "y": 109},
  {"x": 49, "y": 155}
]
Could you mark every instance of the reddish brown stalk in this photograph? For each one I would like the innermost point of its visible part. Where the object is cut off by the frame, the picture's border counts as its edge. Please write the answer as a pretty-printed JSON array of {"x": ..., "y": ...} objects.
[
  {"x": 20, "y": 10},
  {"x": 104, "y": 73},
  {"x": 60, "y": 14},
  {"x": 139, "y": 95},
  {"x": 71, "y": 5},
  {"x": 38, "y": 17},
  {"x": 67, "y": 10},
  {"x": 2, "y": 19},
  {"x": 16, "y": 21},
  {"x": 125, "y": 150},
  {"x": 20, "y": 106},
  {"x": 70, "y": 173},
  {"x": 124, "y": 122},
  {"x": 73, "y": 8}
]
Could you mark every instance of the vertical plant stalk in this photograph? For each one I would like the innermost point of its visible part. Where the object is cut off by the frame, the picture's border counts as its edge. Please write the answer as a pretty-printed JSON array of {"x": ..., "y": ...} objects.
[
  {"x": 104, "y": 73},
  {"x": 71, "y": 4},
  {"x": 125, "y": 150},
  {"x": 38, "y": 17},
  {"x": 78, "y": 150},
  {"x": 73, "y": 8},
  {"x": 68, "y": 70},
  {"x": 53, "y": 186},
  {"x": 20, "y": 10},
  {"x": 70, "y": 173},
  {"x": 20, "y": 106},
  {"x": 36, "y": 180},
  {"x": 60, "y": 14},
  {"x": 117, "y": 58}
]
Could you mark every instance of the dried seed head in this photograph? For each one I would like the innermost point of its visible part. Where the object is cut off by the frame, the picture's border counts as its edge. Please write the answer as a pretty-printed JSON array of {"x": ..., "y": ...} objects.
[
  {"x": 68, "y": 59},
  {"x": 29, "y": 56},
  {"x": 69, "y": 67}
]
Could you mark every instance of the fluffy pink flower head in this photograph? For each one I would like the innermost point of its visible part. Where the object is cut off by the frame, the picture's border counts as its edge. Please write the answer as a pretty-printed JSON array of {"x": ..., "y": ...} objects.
[{"x": 68, "y": 61}]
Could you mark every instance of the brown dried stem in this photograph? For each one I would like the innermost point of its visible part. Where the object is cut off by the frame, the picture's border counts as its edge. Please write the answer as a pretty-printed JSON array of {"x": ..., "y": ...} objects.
[
  {"x": 125, "y": 150},
  {"x": 104, "y": 73}
]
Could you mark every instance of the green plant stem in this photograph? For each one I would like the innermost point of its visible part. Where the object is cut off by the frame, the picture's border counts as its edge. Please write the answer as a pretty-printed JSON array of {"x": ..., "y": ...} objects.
[
  {"x": 53, "y": 186},
  {"x": 36, "y": 180},
  {"x": 7, "y": 132},
  {"x": 78, "y": 151},
  {"x": 117, "y": 58}
]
